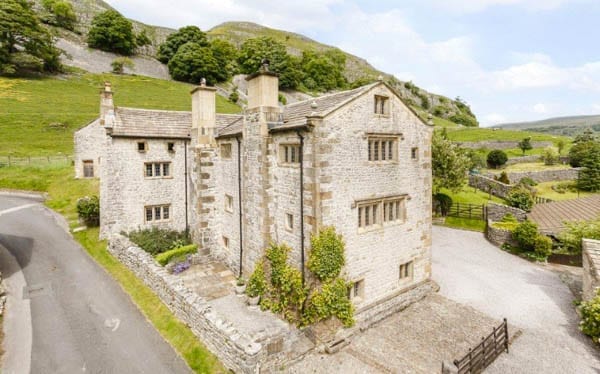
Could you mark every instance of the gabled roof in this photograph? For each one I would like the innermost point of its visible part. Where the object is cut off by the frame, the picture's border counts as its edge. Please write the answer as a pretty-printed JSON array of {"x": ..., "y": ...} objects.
[
  {"x": 551, "y": 217},
  {"x": 146, "y": 123}
]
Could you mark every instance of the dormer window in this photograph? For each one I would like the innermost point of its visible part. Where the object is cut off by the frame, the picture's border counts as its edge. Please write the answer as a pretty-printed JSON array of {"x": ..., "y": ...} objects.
[{"x": 382, "y": 105}]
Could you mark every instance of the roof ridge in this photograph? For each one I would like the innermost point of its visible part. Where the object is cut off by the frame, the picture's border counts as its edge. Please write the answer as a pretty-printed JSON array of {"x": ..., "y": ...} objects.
[
  {"x": 153, "y": 110},
  {"x": 357, "y": 89}
]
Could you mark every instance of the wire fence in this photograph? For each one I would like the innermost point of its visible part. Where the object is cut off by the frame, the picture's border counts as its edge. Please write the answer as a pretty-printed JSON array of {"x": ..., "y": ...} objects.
[{"x": 56, "y": 160}]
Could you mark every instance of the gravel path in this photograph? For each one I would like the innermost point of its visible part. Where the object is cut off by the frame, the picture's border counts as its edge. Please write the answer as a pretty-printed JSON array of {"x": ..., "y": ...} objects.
[{"x": 472, "y": 271}]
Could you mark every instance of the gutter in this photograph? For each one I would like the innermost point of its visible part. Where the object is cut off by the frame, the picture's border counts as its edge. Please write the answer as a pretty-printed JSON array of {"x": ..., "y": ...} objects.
[
  {"x": 302, "y": 258},
  {"x": 239, "y": 147},
  {"x": 185, "y": 173}
]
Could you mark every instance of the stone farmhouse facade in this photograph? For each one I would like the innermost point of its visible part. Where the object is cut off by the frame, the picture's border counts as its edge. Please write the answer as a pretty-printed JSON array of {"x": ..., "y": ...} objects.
[{"x": 358, "y": 160}]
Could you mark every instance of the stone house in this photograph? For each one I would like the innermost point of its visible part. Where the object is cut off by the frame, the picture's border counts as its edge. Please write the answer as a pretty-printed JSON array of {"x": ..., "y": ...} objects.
[{"x": 358, "y": 160}]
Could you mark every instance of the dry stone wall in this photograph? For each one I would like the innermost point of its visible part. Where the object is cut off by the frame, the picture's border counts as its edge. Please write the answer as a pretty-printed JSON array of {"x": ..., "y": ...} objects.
[
  {"x": 545, "y": 175},
  {"x": 498, "y": 236},
  {"x": 591, "y": 268},
  {"x": 489, "y": 185},
  {"x": 501, "y": 144},
  {"x": 495, "y": 212},
  {"x": 237, "y": 351}
]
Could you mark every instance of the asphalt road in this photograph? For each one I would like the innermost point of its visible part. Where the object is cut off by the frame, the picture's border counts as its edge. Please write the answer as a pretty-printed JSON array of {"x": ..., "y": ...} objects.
[
  {"x": 472, "y": 271},
  {"x": 82, "y": 321}
]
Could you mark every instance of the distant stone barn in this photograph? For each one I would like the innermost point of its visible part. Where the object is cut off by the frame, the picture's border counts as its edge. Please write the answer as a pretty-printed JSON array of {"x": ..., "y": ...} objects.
[{"x": 358, "y": 160}]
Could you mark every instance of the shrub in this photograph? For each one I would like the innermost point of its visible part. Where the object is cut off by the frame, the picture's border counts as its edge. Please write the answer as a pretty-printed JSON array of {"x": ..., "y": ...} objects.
[
  {"x": 182, "y": 266},
  {"x": 88, "y": 209},
  {"x": 543, "y": 245},
  {"x": 119, "y": 64},
  {"x": 464, "y": 119},
  {"x": 590, "y": 318},
  {"x": 330, "y": 300},
  {"x": 526, "y": 234},
  {"x": 234, "y": 97},
  {"x": 563, "y": 187},
  {"x": 257, "y": 284},
  {"x": 526, "y": 181},
  {"x": 478, "y": 160},
  {"x": 497, "y": 158},
  {"x": 156, "y": 240},
  {"x": 166, "y": 257},
  {"x": 282, "y": 99},
  {"x": 60, "y": 13},
  {"x": 503, "y": 177},
  {"x": 442, "y": 203},
  {"x": 550, "y": 156},
  {"x": 112, "y": 32},
  {"x": 571, "y": 237},
  {"x": 521, "y": 198},
  {"x": 326, "y": 258},
  {"x": 509, "y": 218},
  {"x": 525, "y": 145}
]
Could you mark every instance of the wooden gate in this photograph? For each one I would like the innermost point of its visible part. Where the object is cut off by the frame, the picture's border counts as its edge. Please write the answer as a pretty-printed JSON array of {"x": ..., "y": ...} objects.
[
  {"x": 483, "y": 354},
  {"x": 465, "y": 210}
]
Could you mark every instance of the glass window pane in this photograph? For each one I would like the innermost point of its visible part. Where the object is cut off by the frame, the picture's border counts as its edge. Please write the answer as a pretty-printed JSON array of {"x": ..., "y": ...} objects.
[
  {"x": 370, "y": 150},
  {"x": 383, "y": 151},
  {"x": 148, "y": 214},
  {"x": 390, "y": 150},
  {"x": 360, "y": 211},
  {"x": 166, "y": 212},
  {"x": 367, "y": 215},
  {"x": 148, "y": 170},
  {"x": 375, "y": 218},
  {"x": 166, "y": 169},
  {"x": 157, "y": 213},
  {"x": 376, "y": 151},
  {"x": 157, "y": 170}
]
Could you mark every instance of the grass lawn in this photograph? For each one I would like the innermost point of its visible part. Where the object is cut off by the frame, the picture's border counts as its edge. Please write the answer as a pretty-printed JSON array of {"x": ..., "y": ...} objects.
[
  {"x": 483, "y": 134},
  {"x": 545, "y": 190},
  {"x": 472, "y": 196},
  {"x": 465, "y": 224},
  {"x": 516, "y": 152},
  {"x": 46, "y": 111},
  {"x": 63, "y": 191},
  {"x": 529, "y": 166}
]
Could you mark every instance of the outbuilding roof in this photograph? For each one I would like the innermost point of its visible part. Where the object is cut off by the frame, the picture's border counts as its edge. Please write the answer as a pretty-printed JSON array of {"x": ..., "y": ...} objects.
[{"x": 551, "y": 217}]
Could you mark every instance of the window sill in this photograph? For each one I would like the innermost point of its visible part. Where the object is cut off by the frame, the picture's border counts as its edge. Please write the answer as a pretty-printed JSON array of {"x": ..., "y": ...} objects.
[
  {"x": 157, "y": 178},
  {"x": 294, "y": 165},
  {"x": 379, "y": 115},
  {"x": 378, "y": 163}
]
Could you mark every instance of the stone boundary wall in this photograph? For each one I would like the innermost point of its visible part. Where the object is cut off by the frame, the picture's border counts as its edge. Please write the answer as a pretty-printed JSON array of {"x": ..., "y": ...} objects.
[
  {"x": 544, "y": 175},
  {"x": 522, "y": 160},
  {"x": 591, "y": 268},
  {"x": 500, "y": 144},
  {"x": 235, "y": 350},
  {"x": 489, "y": 185},
  {"x": 495, "y": 212},
  {"x": 497, "y": 236}
]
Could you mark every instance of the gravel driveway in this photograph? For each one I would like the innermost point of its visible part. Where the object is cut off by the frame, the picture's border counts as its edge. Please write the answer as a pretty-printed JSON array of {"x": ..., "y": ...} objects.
[{"x": 472, "y": 271}]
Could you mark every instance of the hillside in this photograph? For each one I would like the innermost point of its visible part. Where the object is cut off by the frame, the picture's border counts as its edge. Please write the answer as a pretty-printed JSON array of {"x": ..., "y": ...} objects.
[
  {"x": 38, "y": 116},
  {"x": 356, "y": 69},
  {"x": 568, "y": 126}
]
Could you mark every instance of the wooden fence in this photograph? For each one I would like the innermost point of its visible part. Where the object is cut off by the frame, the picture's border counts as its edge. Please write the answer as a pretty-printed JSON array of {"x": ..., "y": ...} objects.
[
  {"x": 541, "y": 200},
  {"x": 484, "y": 353},
  {"x": 465, "y": 210},
  {"x": 35, "y": 160}
]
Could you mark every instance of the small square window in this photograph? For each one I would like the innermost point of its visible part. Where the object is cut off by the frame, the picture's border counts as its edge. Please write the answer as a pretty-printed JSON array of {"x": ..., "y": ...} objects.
[
  {"x": 88, "y": 169},
  {"x": 289, "y": 221},
  {"x": 171, "y": 147},
  {"x": 406, "y": 271},
  {"x": 381, "y": 104},
  {"x": 229, "y": 203},
  {"x": 142, "y": 147},
  {"x": 289, "y": 153},
  {"x": 356, "y": 292},
  {"x": 226, "y": 150},
  {"x": 414, "y": 153},
  {"x": 226, "y": 242}
]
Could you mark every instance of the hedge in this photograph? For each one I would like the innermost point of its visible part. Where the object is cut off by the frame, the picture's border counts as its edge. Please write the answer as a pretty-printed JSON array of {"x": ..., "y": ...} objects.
[{"x": 165, "y": 257}]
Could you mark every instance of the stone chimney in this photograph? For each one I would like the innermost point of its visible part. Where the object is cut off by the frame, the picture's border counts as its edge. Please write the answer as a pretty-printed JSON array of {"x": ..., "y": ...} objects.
[
  {"x": 203, "y": 114},
  {"x": 263, "y": 90},
  {"x": 107, "y": 107}
]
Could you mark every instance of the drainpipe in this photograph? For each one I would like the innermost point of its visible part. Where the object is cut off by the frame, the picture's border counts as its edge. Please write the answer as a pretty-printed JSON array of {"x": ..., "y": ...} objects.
[
  {"x": 239, "y": 159},
  {"x": 302, "y": 203},
  {"x": 185, "y": 173}
]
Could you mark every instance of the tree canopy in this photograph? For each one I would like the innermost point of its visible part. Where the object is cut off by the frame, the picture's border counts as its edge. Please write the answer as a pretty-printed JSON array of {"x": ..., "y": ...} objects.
[
  {"x": 525, "y": 145},
  {"x": 450, "y": 164},
  {"x": 24, "y": 43},
  {"x": 59, "y": 13},
  {"x": 324, "y": 71},
  {"x": 193, "y": 62},
  {"x": 112, "y": 32},
  {"x": 187, "y": 34}
]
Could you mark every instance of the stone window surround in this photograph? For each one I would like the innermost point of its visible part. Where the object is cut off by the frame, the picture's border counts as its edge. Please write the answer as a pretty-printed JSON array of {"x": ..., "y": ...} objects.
[
  {"x": 145, "y": 146},
  {"x": 381, "y": 106},
  {"x": 406, "y": 271},
  {"x": 162, "y": 213},
  {"x": 281, "y": 147},
  {"x": 289, "y": 222},
  {"x": 161, "y": 176},
  {"x": 380, "y": 222},
  {"x": 228, "y": 203},
  {"x": 414, "y": 153},
  {"x": 379, "y": 138},
  {"x": 356, "y": 291},
  {"x": 225, "y": 151}
]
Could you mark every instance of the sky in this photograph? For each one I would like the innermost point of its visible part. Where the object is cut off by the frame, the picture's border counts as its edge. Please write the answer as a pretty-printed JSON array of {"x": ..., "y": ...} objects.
[{"x": 511, "y": 60}]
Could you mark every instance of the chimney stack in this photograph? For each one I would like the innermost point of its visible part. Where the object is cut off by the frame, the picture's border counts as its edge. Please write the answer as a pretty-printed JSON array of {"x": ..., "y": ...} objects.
[
  {"x": 263, "y": 89},
  {"x": 203, "y": 114},
  {"x": 107, "y": 107}
]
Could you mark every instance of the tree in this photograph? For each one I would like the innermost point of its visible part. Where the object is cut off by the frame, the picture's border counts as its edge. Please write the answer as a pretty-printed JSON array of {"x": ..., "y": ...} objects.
[
  {"x": 497, "y": 158},
  {"x": 187, "y": 34},
  {"x": 142, "y": 39},
  {"x": 112, "y": 32},
  {"x": 226, "y": 55},
  {"x": 255, "y": 50},
  {"x": 59, "y": 13},
  {"x": 193, "y": 62},
  {"x": 520, "y": 197},
  {"x": 119, "y": 64},
  {"x": 324, "y": 71},
  {"x": 525, "y": 145},
  {"x": 550, "y": 156},
  {"x": 580, "y": 150},
  {"x": 450, "y": 164},
  {"x": 561, "y": 146},
  {"x": 24, "y": 43},
  {"x": 589, "y": 176}
]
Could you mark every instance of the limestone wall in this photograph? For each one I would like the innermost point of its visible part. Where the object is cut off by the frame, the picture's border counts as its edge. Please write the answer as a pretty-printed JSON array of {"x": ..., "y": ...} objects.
[
  {"x": 125, "y": 189},
  {"x": 89, "y": 145},
  {"x": 522, "y": 160},
  {"x": 498, "y": 236},
  {"x": 501, "y": 144},
  {"x": 495, "y": 212},
  {"x": 591, "y": 268},
  {"x": 545, "y": 175},
  {"x": 346, "y": 176},
  {"x": 489, "y": 185},
  {"x": 237, "y": 351}
]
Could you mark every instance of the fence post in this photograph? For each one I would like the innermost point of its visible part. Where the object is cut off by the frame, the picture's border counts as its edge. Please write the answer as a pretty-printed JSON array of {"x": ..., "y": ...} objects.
[{"x": 506, "y": 334}]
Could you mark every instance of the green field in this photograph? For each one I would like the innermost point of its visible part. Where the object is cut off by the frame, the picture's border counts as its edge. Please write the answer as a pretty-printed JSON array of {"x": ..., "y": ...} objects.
[
  {"x": 39, "y": 115},
  {"x": 545, "y": 190},
  {"x": 485, "y": 134}
]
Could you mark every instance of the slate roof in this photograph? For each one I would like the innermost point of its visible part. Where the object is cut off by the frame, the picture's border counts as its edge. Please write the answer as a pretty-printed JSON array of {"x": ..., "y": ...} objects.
[
  {"x": 133, "y": 122},
  {"x": 550, "y": 217}
]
